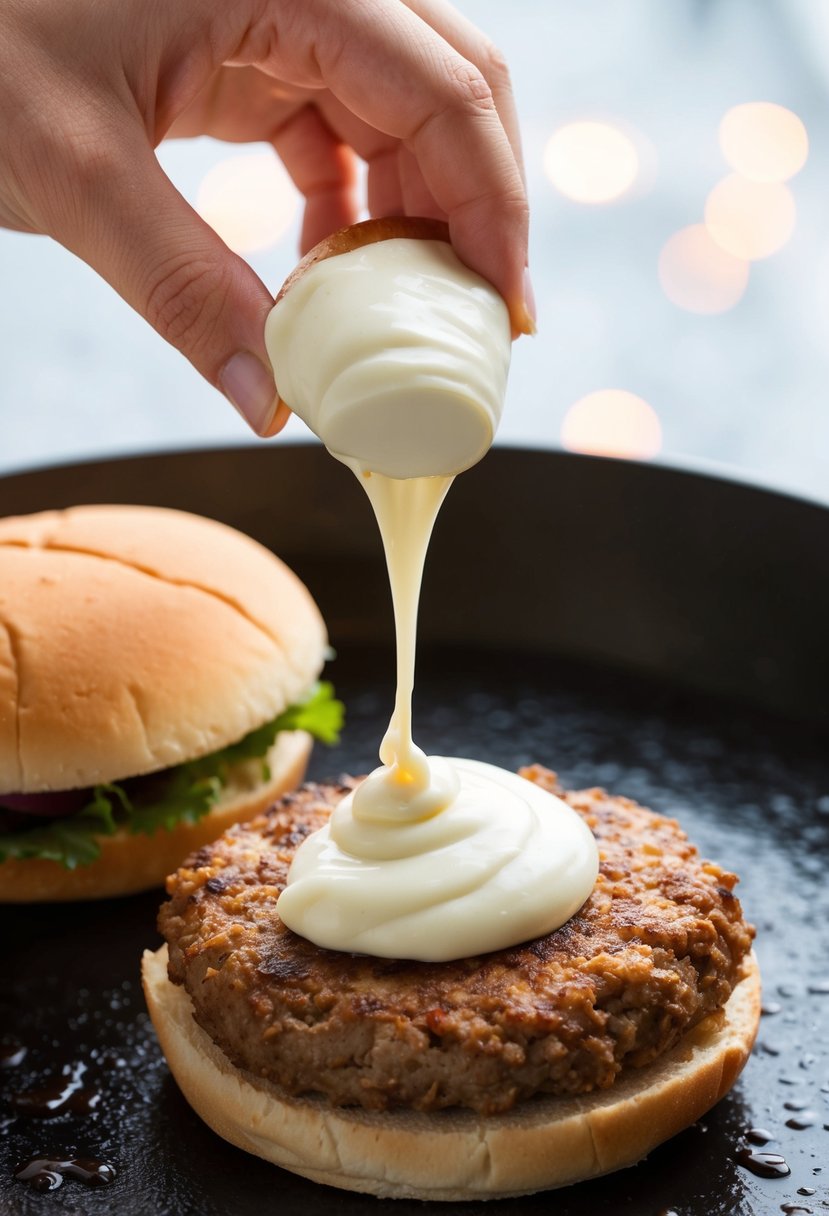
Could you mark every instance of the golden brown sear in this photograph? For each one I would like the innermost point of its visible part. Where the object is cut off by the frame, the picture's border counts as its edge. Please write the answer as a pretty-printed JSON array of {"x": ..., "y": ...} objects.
[{"x": 657, "y": 947}]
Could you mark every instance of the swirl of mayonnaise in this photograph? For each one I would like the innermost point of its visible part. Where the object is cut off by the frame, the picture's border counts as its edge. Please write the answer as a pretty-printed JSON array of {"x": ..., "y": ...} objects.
[{"x": 504, "y": 862}]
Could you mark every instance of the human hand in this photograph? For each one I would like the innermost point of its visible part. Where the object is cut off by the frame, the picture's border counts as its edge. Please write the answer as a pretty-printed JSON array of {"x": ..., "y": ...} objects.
[{"x": 88, "y": 90}]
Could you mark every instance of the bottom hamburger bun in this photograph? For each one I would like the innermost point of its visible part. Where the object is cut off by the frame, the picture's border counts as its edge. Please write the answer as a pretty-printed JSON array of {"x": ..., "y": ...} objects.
[
  {"x": 131, "y": 862},
  {"x": 456, "y": 1154}
]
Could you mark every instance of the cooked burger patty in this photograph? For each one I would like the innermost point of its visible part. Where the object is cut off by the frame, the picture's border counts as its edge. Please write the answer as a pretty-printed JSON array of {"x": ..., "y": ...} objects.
[{"x": 657, "y": 947}]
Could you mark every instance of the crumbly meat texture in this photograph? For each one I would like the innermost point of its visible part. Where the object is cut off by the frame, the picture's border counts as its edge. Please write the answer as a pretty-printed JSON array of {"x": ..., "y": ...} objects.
[{"x": 657, "y": 947}]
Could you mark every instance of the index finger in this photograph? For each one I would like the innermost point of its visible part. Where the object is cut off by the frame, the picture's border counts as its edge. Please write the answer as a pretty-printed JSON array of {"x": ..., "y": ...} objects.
[{"x": 473, "y": 44}]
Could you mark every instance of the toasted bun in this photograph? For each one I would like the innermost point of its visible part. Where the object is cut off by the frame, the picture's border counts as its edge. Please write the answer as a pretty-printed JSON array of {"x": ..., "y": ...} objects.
[
  {"x": 455, "y": 1155},
  {"x": 130, "y": 863},
  {"x": 135, "y": 638}
]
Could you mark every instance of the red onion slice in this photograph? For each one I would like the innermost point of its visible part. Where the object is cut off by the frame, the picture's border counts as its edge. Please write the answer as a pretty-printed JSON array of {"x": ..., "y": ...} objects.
[{"x": 48, "y": 805}]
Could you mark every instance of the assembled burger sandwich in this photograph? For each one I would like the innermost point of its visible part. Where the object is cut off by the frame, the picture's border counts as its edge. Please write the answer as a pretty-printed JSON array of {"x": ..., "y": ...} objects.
[{"x": 158, "y": 682}]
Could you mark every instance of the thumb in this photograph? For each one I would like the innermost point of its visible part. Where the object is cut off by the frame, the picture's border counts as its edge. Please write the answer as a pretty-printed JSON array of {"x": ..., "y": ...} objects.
[{"x": 137, "y": 231}]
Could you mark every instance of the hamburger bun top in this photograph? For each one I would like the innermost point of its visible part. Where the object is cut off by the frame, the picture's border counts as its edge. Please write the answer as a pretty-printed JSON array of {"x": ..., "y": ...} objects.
[{"x": 135, "y": 638}]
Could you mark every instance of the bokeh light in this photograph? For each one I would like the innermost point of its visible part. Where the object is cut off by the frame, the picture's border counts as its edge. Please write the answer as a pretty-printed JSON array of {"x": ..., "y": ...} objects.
[
  {"x": 750, "y": 220},
  {"x": 763, "y": 141},
  {"x": 249, "y": 200},
  {"x": 591, "y": 162},
  {"x": 612, "y": 422},
  {"x": 698, "y": 275}
]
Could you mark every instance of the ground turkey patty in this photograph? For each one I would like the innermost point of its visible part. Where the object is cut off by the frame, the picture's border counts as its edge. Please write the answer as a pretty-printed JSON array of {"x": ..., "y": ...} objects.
[{"x": 657, "y": 947}]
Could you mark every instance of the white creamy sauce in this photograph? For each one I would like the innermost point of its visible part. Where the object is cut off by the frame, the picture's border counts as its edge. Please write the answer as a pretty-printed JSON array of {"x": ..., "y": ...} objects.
[
  {"x": 396, "y": 355},
  {"x": 397, "y": 358},
  {"x": 503, "y": 863}
]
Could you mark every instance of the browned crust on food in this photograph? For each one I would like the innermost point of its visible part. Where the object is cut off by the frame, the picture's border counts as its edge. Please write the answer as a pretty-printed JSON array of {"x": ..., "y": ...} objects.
[
  {"x": 368, "y": 232},
  {"x": 657, "y": 948}
]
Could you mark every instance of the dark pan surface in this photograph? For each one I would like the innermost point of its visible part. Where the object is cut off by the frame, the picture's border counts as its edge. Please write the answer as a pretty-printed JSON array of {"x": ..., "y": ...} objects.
[{"x": 750, "y": 786}]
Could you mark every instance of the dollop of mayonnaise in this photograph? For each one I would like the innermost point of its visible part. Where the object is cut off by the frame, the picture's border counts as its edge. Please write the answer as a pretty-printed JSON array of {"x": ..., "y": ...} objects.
[
  {"x": 396, "y": 355},
  {"x": 504, "y": 862}
]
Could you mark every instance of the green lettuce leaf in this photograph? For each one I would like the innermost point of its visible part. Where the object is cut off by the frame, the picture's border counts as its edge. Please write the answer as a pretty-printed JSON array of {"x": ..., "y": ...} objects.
[
  {"x": 71, "y": 840},
  {"x": 183, "y": 794},
  {"x": 320, "y": 714},
  {"x": 180, "y": 800}
]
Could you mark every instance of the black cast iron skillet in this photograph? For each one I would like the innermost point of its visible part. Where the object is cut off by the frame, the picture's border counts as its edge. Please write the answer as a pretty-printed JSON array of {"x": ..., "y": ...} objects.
[{"x": 660, "y": 633}]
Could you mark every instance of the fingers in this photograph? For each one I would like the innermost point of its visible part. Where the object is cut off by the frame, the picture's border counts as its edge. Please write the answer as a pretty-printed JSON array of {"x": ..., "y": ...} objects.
[
  {"x": 381, "y": 153},
  {"x": 386, "y": 195},
  {"x": 399, "y": 76},
  {"x": 470, "y": 42},
  {"x": 243, "y": 104},
  {"x": 323, "y": 168},
  {"x": 395, "y": 182},
  {"x": 373, "y": 76},
  {"x": 482, "y": 194},
  {"x": 132, "y": 226},
  {"x": 418, "y": 197}
]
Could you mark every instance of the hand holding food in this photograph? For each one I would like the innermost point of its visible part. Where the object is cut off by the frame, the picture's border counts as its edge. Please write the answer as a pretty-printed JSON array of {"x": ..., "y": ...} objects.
[{"x": 414, "y": 90}]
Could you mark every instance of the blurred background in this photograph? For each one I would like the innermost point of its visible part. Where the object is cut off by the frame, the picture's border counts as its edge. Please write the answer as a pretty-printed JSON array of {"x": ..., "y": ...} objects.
[{"x": 679, "y": 175}]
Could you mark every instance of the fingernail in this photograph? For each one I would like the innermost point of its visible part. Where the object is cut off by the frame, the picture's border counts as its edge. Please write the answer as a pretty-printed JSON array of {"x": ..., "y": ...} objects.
[
  {"x": 248, "y": 385},
  {"x": 529, "y": 304}
]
